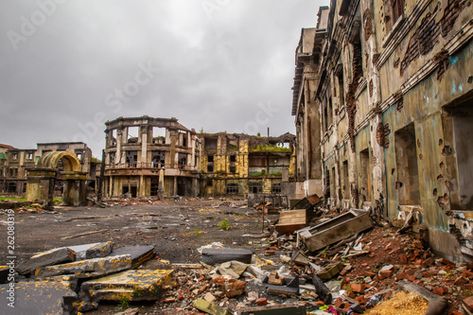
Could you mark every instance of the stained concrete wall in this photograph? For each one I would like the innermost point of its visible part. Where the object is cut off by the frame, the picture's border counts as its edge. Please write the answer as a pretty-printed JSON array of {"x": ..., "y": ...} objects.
[{"x": 417, "y": 72}]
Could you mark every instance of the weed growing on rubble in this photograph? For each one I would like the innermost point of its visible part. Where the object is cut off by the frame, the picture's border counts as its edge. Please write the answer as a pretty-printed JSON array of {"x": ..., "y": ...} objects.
[
  {"x": 224, "y": 225},
  {"x": 124, "y": 304}
]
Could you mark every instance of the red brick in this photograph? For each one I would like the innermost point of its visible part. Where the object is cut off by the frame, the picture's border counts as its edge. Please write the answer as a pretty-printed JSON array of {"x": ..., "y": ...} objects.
[
  {"x": 439, "y": 290},
  {"x": 357, "y": 287},
  {"x": 261, "y": 301}
]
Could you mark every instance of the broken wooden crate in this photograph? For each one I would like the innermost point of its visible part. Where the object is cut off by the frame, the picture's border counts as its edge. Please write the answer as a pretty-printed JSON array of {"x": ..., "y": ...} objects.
[
  {"x": 291, "y": 221},
  {"x": 334, "y": 230},
  {"x": 130, "y": 285}
]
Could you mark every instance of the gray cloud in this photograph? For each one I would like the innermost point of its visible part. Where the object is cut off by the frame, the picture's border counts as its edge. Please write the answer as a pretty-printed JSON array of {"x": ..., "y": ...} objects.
[{"x": 214, "y": 62}]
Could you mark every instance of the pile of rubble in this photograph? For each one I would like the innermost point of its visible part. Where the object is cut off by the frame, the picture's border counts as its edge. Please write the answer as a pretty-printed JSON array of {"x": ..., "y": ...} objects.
[{"x": 307, "y": 261}]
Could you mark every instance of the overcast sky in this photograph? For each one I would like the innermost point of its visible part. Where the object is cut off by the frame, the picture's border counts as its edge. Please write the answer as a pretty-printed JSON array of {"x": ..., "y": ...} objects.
[{"x": 67, "y": 66}]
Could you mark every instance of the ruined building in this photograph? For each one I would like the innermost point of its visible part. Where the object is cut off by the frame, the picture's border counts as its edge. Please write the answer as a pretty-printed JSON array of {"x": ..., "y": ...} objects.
[
  {"x": 239, "y": 164},
  {"x": 386, "y": 87},
  {"x": 146, "y": 156},
  {"x": 15, "y": 164}
]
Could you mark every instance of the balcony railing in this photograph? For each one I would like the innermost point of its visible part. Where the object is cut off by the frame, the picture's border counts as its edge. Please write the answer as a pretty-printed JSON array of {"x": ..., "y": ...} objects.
[{"x": 156, "y": 166}]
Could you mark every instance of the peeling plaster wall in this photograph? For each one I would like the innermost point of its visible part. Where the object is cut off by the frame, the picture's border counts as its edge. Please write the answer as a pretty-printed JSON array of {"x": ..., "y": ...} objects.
[{"x": 417, "y": 71}]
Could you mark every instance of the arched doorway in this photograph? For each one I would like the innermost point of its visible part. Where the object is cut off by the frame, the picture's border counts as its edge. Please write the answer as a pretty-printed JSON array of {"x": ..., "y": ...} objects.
[{"x": 53, "y": 167}]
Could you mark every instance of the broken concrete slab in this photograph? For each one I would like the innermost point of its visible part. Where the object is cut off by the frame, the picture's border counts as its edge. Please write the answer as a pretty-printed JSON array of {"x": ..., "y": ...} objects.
[
  {"x": 130, "y": 285},
  {"x": 286, "y": 309},
  {"x": 88, "y": 268},
  {"x": 335, "y": 230},
  {"x": 69, "y": 281},
  {"x": 37, "y": 298},
  {"x": 330, "y": 271},
  {"x": 299, "y": 258},
  {"x": 209, "y": 307},
  {"x": 291, "y": 221},
  {"x": 212, "y": 256},
  {"x": 51, "y": 257},
  {"x": 65, "y": 254},
  {"x": 139, "y": 254},
  {"x": 94, "y": 250},
  {"x": 233, "y": 269}
]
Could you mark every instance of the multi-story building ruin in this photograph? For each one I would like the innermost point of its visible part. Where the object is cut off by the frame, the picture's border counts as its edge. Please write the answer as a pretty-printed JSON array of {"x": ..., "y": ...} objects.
[
  {"x": 394, "y": 92},
  {"x": 239, "y": 164},
  {"x": 146, "y": 156},
  {"x": 16, "y": 163}
]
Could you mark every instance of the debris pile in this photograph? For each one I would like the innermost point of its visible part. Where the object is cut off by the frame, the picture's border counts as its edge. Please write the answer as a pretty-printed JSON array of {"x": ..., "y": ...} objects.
[{"x": 309, "y": 260}]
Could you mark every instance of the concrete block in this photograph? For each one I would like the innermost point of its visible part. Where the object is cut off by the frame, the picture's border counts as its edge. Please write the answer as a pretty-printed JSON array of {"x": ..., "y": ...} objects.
[
  {"x": 130, "y": 285},
  {"x": 88, "y": 268},
  {"x": 50, "y": 257}
]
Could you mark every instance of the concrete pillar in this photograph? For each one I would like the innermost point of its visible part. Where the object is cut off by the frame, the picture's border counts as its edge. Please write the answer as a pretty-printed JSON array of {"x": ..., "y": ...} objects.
[
  {"x": 39, "y": 185},
  {"x": 118, "y": 154},
  {"x": 142, "y": 190},
  {"x": 71, "y": 195},
  {"x": 175, "y": 186},
  {"x": 144, "y": 146},
  {"x": 161, "y": 189}
]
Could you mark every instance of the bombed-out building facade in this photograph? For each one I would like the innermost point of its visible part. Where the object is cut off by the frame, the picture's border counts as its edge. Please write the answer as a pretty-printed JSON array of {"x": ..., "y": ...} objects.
[
  {"x": 16, "y": 163},
  {"x": 385, "y": 89},
  {"x": 146, "y": 156},
  {"x": 240, "y": 164}
]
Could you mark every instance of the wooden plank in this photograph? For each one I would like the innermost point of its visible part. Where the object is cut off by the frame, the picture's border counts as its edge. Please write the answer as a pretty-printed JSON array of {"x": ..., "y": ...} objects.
[
  {"x": 337, "y": 229},
  {"x": 290, "y": 221}
]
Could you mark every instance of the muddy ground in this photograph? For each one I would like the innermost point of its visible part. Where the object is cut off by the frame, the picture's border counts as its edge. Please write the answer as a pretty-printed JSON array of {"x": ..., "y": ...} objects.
[{"x": 177, "y": 229}]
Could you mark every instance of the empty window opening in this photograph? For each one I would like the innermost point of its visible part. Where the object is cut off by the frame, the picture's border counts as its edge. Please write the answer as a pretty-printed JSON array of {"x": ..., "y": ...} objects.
[
  {"x": 210, "y": 163},
  {"x": 133, "y": 133},
  {"x": 232, "y": 145},
  {"x": 327, "y": 183},
  {"x": 11, "y": 187},
  {"x": 463, "y": 129},
  {"x": 131, "y": 158},
  {"x": 341, "y": 91},
  {"x": 346, "y": 184},
  {"x": 255, "y": 187},
  {"x": 329, "y": 111},
  {"x": 406, "y": 166},
  {"x": 79, "y": 155},
  {"x": 332, "y": 182},
  {"x": 159, "y": 159},
  {"x": 159, "y": 135},
  {"x": 13, "y": 172},
  {"x": 232, "y": 189},
  {"x": 210, "y": 144},
  {"x": 357, "y": 62},
  {"x": 233, "y": 158},
  {"x": 113, "y": 137},
  {"x": 183, "y": 141},
  {"x": 182, "y": 160},
  {"x": 154, "y": 186},
  {"x": 365, "y": 179},
  {"x": 111, "y": 157},
  {"x": 276, "y": 188},
  {"x": 29, "y": 156}
]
